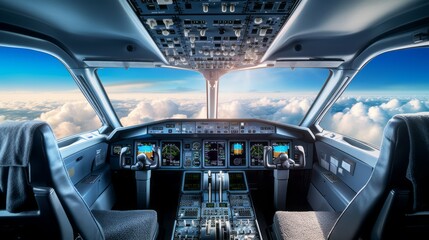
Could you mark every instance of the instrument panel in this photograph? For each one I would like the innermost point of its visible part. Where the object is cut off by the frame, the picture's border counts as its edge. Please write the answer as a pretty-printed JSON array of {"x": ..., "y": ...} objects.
[
  {"x": 207, "y": 153},
  {"x": 205, "y": 144},
  {"x": 210, "y": 127}
]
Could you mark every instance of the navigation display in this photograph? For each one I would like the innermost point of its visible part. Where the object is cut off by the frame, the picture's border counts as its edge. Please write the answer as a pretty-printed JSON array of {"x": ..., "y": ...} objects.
[
  {"x": 237, "y": 153},
  {"x": 146, "y": 148},
  {"x": 170, "y": 153},
  {"x": 214, "y": 153},
  {"x": 257, "y": 153},
  {"x": 279, "y": 148},
  {"x": 192, "y": 181},
  {"x": 237, "y": 181}
]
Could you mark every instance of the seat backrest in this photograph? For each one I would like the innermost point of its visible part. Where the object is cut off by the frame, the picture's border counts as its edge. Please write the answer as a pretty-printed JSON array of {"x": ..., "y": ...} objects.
[
  {"x": 46, "y": 170},
  {"x": 390, "y": 193}
]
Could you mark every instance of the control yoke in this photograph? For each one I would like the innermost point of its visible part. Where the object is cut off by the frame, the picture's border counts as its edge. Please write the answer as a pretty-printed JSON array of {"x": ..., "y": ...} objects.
[
  {"x": 283, "y": 161},
  {"x": 143, "y": 162}
]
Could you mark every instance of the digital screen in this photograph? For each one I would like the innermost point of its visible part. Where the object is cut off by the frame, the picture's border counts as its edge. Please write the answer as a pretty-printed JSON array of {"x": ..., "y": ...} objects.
[
  {"x": 257, "y": 153},
  {"x": 192, "y": 182},
  {"x": 237, "y": 153},
  {"x": 171, "y": 153},
  {"x": 146, "y": 148},
  {"x": 237, "y": 181},
  {"x": 279, "y": 148},
  {"x": 210, "y": 205},
  {"x": 223, "y": 205},
  {"x": 214, "y": 153}
]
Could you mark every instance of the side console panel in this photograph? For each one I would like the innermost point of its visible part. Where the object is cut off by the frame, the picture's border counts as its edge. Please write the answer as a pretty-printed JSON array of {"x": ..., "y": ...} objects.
[
  {"x": 90, "y": 174},
  {"x": 336, "y": 178}
]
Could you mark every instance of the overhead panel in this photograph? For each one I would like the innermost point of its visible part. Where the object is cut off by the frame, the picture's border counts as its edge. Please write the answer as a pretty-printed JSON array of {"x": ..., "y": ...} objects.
[{"x": 212, "y": 34}]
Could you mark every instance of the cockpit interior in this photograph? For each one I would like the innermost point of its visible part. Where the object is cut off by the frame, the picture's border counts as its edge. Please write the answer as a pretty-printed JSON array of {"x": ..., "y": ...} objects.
[{"x": 214, "y": 119}]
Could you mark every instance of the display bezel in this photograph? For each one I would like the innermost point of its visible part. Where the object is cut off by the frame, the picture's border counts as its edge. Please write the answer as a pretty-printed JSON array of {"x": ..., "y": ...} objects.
[
  {"x": 226, "y": 154},
  {"x": 244, "y": 179},
  {"x": 250, "y": 155},
  {"x": 245, "y": 151},
  {"x": 201, "y": 182},
  {"x": 161, "y": 144}
]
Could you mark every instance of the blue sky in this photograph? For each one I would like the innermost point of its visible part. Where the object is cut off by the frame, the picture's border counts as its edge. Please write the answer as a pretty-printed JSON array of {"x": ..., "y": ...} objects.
[
  {"x": 23, "y": 69},
  {"x": 149, "y": 93},
  {"x": 49, "y": 74},
  {"x": 401, "y": 69}
]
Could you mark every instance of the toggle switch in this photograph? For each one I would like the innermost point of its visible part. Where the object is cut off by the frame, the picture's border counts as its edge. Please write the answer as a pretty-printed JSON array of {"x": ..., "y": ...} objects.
[
  {"x": 203, "y": 32},
  {"x": 262, "y": 32},
  {"x": 186, "y": 32},
  {"x": 237, "y": 32},
  {"x": 232, "y": 8},
  {"x": 205, "y": 8},
  {"x": 168, "y": 22},
  {"x": 224, "y": 7},
  {"x": 192, "y": 39},
  {"x": 151, "y": 22}
]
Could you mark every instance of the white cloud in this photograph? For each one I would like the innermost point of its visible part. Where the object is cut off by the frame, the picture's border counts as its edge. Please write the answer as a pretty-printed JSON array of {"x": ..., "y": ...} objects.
[
  {"x": 149, "y": 111},
  {"x": 361, "y": 117},
  {"x": 365, "y": 119},
  {"x": 377, "y": 114},
  {"x": 71, "y": 118},
  {"x": 392, "y": 104},
  {"x": 179, "y": 116},
  {"x": 234, "y": 109}
]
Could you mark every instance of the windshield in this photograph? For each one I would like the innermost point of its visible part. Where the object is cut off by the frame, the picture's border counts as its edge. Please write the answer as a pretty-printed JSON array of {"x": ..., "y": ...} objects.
[
  {"x": 147, "y": 94},
  {"x": 277, "y": 94},
  {"x": 141, "y": 95}
]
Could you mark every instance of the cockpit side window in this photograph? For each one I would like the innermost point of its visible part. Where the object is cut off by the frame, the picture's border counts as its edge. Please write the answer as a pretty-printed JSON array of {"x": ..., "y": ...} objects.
[
  {"x": 37, "y": 86},
  {"x": 392, "y": 83}
]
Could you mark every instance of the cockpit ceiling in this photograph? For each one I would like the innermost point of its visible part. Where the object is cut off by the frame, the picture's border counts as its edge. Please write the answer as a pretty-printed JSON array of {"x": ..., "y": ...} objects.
[
  {"x": 207, "y": 35},
  {"x": 218, "y": 35}
]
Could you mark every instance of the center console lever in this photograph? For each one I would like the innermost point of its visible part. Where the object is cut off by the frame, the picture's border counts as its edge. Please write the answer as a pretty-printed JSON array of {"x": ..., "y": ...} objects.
[
  {"x": 220, "y": 185},
  {"x": 210, "y": 185}
]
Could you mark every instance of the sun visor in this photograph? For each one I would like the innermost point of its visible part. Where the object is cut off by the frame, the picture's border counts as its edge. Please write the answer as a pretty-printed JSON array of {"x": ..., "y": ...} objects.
[
  {"x": 121, "y": 64},
  {"x": 309, "y": 63}
]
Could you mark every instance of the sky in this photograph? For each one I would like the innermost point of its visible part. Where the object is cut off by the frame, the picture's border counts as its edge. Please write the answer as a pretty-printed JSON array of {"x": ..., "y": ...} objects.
[{"x": 392, "y": 83}]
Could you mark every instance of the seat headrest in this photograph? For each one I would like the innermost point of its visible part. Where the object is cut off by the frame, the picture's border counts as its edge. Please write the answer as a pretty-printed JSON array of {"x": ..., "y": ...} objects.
[
  {"x": 15, "y": 149},
  {"x": 417, "y": 125}
]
